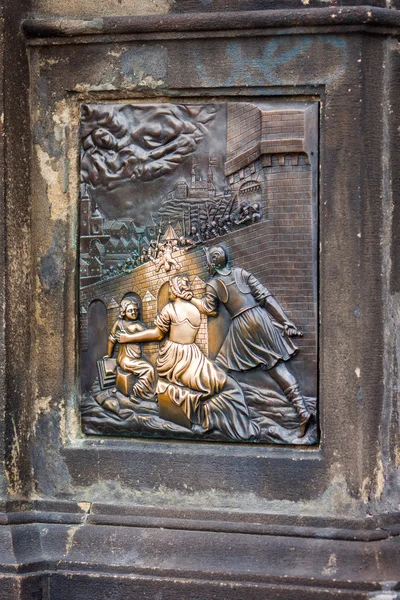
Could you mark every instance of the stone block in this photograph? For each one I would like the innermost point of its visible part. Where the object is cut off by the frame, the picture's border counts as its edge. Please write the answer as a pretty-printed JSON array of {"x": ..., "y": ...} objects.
[{"x": 125, "y": 382}]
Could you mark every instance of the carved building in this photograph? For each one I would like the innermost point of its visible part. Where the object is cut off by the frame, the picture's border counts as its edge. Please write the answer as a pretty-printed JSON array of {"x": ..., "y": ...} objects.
[
  {"x": 91, "y": 225},
  {"x": 256, "y": 137}
]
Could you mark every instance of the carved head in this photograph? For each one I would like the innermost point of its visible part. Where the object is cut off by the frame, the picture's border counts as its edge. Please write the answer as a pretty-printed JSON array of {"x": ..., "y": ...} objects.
[
  {"x": 218, "y": 257},
  {"x": 179, "y": 287},
  {"x": 104, "y": 139},
  {"x": 129, "y": 309}
]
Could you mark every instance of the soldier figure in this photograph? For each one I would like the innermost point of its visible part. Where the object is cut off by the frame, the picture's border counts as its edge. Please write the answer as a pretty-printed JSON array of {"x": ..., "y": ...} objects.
[
  {"x": 248, "y": 214},
  {"x": 224, "y": 225},
  {"x": 253, "y": 340},
  {"x": 153, "y": 250},
  {"x": 212, "y": 230},
  {"x": 183, "y": 241},
  {"x": 255, "y": 212},
  {"x": 193, "y": 240},
  {"x": 135, "y": 258},
  {"x": 194, "y": 235},
  {"x": 144, "y": 256},
  {"x": 128, "y": 267},
  {"x": 244, "y": 216}
]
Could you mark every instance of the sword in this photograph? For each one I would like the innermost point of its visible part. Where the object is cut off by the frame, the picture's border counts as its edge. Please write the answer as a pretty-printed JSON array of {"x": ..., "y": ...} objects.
[{"x": 206, "y": 252}]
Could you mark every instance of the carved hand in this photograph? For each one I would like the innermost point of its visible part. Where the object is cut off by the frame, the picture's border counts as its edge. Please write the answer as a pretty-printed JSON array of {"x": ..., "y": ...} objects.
[
  {"x": 124, "y": 338},
  {"x": 291, "y": 330}
]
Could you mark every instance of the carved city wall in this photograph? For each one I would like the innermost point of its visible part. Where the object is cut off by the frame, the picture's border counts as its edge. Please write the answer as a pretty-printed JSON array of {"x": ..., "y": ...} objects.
[{"x": 285, "y": 269}]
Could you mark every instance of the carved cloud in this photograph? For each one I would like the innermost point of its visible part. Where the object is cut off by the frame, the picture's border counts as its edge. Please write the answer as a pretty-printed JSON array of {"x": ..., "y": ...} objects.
[{"x": 139, "y": 143}]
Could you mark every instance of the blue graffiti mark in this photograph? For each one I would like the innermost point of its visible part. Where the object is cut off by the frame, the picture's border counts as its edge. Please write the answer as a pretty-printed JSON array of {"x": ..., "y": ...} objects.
[
  {"x": 335, "y": 41},
  {"x": 268, "y": 68},
  {"x": 272, "y": 59}
]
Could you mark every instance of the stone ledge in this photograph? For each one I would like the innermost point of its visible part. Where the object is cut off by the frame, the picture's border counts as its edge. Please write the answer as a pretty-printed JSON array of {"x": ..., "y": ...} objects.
[
  {"x": 197, "y": 22},
  {"x": 83, "y": 554},
  {"x": 55, "y": 512},
  {"x": 103, "y": 587}
]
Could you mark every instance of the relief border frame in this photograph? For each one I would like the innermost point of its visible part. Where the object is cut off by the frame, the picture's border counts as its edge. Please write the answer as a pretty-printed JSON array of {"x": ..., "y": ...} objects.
[{"x": 274, "y": 457}]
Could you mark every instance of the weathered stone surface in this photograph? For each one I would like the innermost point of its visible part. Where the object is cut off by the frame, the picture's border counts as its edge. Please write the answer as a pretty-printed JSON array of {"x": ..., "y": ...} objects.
[
  {"x": 79, "y": 9},
  {"x": 16, "y": 306},
  {"x": 350, "y": 236},
  {"x": 164, "y": 516}
]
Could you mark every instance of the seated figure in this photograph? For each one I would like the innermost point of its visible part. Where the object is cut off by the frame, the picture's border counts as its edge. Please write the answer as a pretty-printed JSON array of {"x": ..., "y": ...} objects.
[
  {"x": 209, "y": 398},
  {"x": 129, "y": 357}
]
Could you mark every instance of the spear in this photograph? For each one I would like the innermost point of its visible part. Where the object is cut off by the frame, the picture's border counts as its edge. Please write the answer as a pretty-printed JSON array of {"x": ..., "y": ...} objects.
[
  {"x": 158, "y": 237},
  {"x": 217, "y": 209},
  {"x": 183, "y": 225},
  {"x": 208, "y": 213},
  {"x": 231, "y": 206}
]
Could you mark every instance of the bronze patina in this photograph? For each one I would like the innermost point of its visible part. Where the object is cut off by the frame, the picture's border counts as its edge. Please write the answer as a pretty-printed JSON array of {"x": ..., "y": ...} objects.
[{"x": 187, "y": 212}]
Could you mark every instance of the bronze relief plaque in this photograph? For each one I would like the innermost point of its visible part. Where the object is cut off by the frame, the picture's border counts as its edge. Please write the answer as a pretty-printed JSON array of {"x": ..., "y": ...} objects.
[{"x": 198, "y": 271}]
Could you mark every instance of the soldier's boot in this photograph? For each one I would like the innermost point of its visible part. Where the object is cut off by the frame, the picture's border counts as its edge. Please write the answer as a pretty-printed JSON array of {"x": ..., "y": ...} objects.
[{"x": 294, "y": 395}]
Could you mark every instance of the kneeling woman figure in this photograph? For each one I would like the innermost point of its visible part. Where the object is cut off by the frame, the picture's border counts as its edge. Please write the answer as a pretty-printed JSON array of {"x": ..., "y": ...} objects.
[{"x": 210, "y": 399}]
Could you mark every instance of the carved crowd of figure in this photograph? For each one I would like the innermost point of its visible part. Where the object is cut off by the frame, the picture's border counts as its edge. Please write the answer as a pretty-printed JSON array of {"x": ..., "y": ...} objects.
[
  {"x": 109, "y": 248},
  {"x": 204, "y": 391},
  {"x": 160, "y": 253}
]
